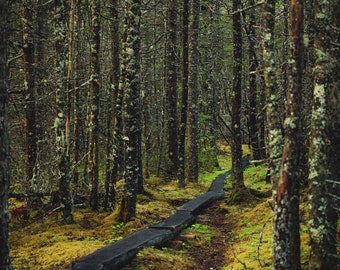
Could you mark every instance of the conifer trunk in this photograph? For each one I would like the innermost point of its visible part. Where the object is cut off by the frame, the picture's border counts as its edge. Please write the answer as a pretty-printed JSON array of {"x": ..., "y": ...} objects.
[
  {"x": 5, "y": 263},
  {"x": 60, "y": 123},
  {"x": 193, "y": 129},
  {"x": 130, "y": 83},
  {"x": 236, "y": 144},
  {"x": 29, "y": 87},
  {"x": 286, "y": 238},
  {"x": 184, "y": 97}
]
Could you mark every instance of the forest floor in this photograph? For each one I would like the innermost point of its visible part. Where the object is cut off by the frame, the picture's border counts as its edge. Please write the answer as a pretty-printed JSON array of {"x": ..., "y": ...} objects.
[{"x": 225, "y": 236}]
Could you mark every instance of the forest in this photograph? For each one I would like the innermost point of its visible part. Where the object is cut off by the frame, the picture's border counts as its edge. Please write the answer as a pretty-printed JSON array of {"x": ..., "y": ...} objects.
[{"x": 114, "y": 113}]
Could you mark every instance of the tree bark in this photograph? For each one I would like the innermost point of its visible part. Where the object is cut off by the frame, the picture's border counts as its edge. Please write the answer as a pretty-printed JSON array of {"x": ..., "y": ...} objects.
[
  {"x": 130, "y": 82},
  {"x": 184, "y": 98},
  {"x": 115, "y": 147},
  {"x": 319, "y": 225},
  {"x": 193, "y": 93},
  {"x": 94, "y": 104},
  {"x": 236, "y": 145},
  {"x": 171, "y": 90},
  {"x": 62, "y": 147},
  {"x": 286, "y": 239},
  {"x": 29, "y": 87},
  {"x": 275, "y": 140},
  {"x": 5, "y": 263}
]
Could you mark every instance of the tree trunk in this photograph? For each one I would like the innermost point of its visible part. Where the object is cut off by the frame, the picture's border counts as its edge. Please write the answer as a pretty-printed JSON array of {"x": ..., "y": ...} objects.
[
  {"x": 275, "y": 140},
  {"x": 184, "y": 103},
  {"x": 171, "y": 90},
  {"x": 29, "y": 86},
  {"x": 94, "y": 104},
  {"x": 77, "y": 115},
  {"x": 130, "y": 82},
  {"x": 319, "y": 227},
  {"x": 286, "y": 239},
  {"x": 211, "y": 87},
  {"x": 114, "y": 121},
  {"x": 5, "y": 263},
  {"x": 252, "y": 95},
  {"x": 193, "y": 93},
  {"x": 60, "y": 123},
  {"x": 236, "y": 144}
]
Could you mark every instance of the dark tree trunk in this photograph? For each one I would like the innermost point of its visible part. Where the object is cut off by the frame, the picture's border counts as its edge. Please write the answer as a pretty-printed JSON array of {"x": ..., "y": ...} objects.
[
  {"x": 252, "y": 95},
  {"x": 114, "y": 155},
  {"x": 171, "y": 90},
  {"x": 77, "y": 114},
  {"x": 29, "y": 85},
  {"x": 5, "y": 263},
  {"x": 130, "y": 82},
  {"x": 211, "y": 86},
  {"x": 94, "y": 104},
  {"x": 60, "y": 123},
  {"x": 286, "y": 239},
  {"x": 184, "y": 103},
  {"x": 236, "y": 144},
  {"x": 193, "y": 93}
]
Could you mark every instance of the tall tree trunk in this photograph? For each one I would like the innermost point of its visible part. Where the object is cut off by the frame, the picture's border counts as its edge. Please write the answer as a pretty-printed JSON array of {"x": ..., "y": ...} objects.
[
  {"x": 5, "y": 263},
  {"x": 29, "y": 87},
  {"x": 184, "y": 98},
  {"x": 319, "y": 226},
  {"x": 114, "y": 121},
  {"x": 193, "y": 93},
  {"x": 77, "y": 115},
  {"x": 211, "y": 86},
  {"x": 171, "y": 90},
  {"x": 94, "y": 104},
  {"x": 275, "y": 140},
  {"x": 236, "y": 144},
  {"x": 60, "y": 121},
  {"x": 252, "y": 95},
  {"x": 334, "y": 125},
  {"x": 130, "y": 82},
  {"x": 286, "y": 239}
]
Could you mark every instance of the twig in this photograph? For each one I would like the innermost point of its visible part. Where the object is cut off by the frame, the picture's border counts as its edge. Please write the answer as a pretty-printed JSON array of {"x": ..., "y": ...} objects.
[
  {"x": 260, "y": 243},
  {"x": 241, "y": 262}
]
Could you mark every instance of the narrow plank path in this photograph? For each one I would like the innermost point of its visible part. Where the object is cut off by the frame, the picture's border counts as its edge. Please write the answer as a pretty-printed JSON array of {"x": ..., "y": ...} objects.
[{"x": 120, "y": 253}]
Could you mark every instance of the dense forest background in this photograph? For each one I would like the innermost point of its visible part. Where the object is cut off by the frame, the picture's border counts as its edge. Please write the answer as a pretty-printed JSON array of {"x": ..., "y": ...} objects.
[{"x": 104, "y": 90}]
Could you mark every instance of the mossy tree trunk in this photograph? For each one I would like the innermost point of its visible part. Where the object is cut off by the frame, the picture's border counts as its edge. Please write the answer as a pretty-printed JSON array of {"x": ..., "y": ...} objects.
[
  {"x": 114, "y": 154},
  {"x": 286, "y": 238},
  {"x": 62, "y": 147},
  {"x": 93, "y": 162},
  {"x": 29, "y": 87},
  {"x": 236, "y": 144},
  {"x": 274, "y": 140},
  {"x": 184, "y": 97},
  {"x": 5, "y": 263},
  {"x": 193, "y": 93},
  {"x": 172, "y": 90},
  {"x": 130, "y": 83},
  {"x": 211, "y": 86},
  {"x": 319, "y": 225},
  {"x": 253, "y": 97}
]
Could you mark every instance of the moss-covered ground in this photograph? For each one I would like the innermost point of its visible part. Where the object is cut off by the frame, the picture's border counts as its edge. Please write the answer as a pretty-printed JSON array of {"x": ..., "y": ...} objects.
[{"x": 226, "y": 236}]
